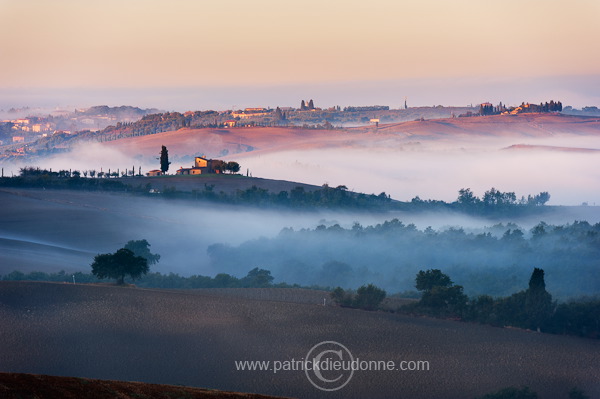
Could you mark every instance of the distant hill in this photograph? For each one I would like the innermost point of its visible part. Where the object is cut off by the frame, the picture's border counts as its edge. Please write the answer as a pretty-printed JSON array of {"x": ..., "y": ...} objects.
[
  {"x": 510, "y": 126},
  {"x": 119, "y": 112},
  {"x": 247, "y": 141}
]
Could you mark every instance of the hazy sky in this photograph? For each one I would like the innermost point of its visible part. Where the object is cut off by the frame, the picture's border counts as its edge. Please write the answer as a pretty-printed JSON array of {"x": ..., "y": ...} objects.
[{"x": 138, "y": 44}]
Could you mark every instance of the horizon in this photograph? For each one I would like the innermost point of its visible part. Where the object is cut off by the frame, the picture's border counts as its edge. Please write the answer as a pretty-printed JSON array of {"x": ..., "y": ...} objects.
[{"x": 575, "y": 91}]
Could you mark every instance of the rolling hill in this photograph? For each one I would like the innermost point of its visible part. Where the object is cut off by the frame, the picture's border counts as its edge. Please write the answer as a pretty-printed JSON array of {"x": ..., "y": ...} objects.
[{"x": 213, "y": 142}]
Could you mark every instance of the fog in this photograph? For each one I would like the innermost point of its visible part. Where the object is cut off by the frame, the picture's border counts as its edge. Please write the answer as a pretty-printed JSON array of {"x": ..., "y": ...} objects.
[
  {"x": 51, "y": 230},
  {"x": 400, "y": 165},
  {"x": 496, "y": 259},
  {"x": 52, "y": 222},
  {"x": 436, "y": 169},
  {"x": 84, "y": 156}
]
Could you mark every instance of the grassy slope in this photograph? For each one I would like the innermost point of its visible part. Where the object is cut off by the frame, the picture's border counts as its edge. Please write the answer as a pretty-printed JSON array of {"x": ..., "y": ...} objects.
[
  {"x": 226, "y": 183},
  {"x": 193, "y": 339}
]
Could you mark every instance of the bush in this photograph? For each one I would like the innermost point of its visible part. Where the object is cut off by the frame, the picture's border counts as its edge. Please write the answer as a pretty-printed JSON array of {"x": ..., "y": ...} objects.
[{"x": 369, "y": 297}]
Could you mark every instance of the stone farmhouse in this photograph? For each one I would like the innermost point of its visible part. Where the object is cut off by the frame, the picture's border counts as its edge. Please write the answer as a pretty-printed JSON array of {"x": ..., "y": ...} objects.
[{"x": 201, "y": 166}]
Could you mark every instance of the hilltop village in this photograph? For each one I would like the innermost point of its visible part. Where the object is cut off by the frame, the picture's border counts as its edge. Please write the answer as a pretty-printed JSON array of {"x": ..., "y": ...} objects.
[{"x": 59, "y": 131}]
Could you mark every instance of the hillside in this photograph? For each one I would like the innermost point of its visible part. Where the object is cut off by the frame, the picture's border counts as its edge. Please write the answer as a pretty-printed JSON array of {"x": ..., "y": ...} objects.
[
  {"x": 225, "y": 183},
  {"x": 223, "y": 142},
  {"x": 20, "y": 385},
  {"x": 226, "y": 142},
  {"x": 192, "y": 339},
  {"x": 509, "y": 126}
]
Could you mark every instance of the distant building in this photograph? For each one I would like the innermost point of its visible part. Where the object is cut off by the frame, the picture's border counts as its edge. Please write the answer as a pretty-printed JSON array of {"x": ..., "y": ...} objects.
[
  {"x": 230, "y": 123},
  {"x": 154, "y": 172},
  {"x": 18, "y": 139},
  {"x": 248, "y": 115},
  {"x": 201, "y": 166}
]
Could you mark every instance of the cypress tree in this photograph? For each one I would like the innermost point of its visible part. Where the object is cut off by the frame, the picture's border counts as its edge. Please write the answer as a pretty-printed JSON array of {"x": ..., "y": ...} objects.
[{"x": 164, "y": 160}]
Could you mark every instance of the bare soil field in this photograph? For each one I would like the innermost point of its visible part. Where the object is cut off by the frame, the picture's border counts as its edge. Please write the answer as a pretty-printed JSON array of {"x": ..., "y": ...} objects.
[
  {"x": 193, "y": 339},
  {"x": 21, "y": 386},
  {"x": 293, "y": 295}
]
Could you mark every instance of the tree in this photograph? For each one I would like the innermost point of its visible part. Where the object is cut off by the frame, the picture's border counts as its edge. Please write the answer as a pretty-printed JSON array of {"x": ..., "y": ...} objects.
[
  {"x": 258, "y": 278},
  {"x": 536, "y": 281},
  {"x": 425, "y": 281},
  {"x": 369, "y": 297},
  {"x": 224, "y": 280},
  {"x": 466, "y": 197},
  {"x": 118, "y": 265},
  {"x": 142, "y": 248},
  {"x": 539, "y": 199},
  {"x": 341, "y": 297},
  {"x": 538, "y": 302},
  {"x": 164, "y": 160},
  {"x": 233, "y": 167},
  {"x": 439, "y": 292},
  {"x": 218, "y": 166}
]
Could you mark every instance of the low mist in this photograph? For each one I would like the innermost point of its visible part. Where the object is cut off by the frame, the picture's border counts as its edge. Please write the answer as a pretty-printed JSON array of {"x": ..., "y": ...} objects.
[
  {"x": 407, "y": 167},
  {"x": 52, "y": 230}
]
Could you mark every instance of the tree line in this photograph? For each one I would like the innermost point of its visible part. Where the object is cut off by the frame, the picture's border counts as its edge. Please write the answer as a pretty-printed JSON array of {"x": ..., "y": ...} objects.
[
  {"x": 32, "y": 172},
  {"x": 490, "y": 260},
  {"x": 489, "y": 109},
  {"x": 493, "y": 203},
  {"x": 532, "y": 308}
]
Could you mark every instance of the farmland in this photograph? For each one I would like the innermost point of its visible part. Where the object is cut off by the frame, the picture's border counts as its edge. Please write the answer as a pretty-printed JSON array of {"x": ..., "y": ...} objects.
[{"x": 190, "y": 338}]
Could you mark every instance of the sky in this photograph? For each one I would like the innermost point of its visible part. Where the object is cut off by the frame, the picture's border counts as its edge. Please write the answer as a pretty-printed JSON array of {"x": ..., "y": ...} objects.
[{"x": 187, "y": 53}]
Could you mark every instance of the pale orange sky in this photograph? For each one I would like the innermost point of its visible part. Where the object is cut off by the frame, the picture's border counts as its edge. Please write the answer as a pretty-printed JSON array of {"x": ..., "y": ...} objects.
[{"x": 142, "y": 43}]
